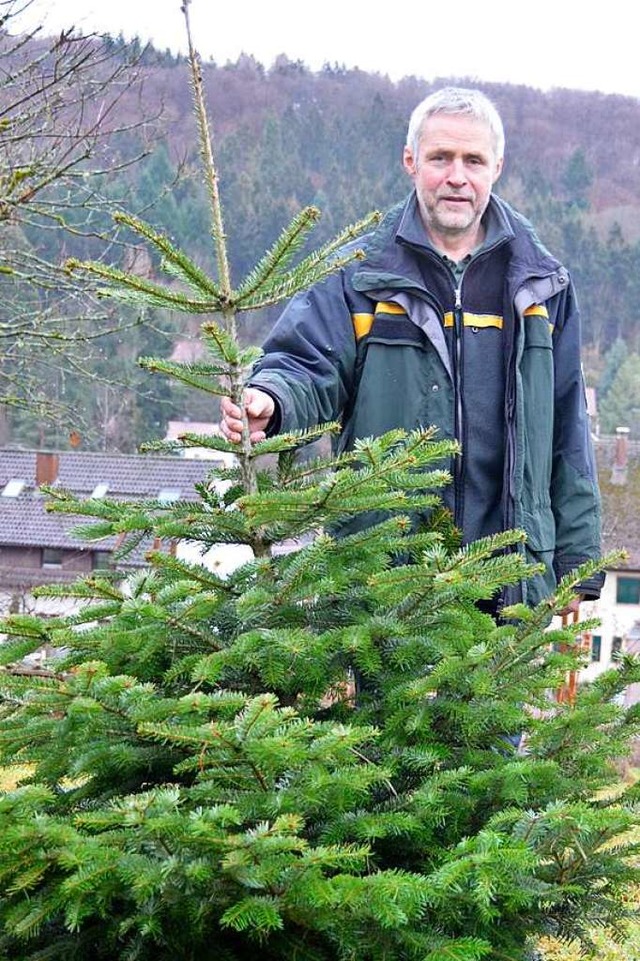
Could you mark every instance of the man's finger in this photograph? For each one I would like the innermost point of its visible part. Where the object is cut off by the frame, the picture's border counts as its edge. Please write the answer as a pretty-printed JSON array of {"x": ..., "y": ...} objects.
[
  {"x": 258, "y": 404},
  {"x": 229, "y": 408}
]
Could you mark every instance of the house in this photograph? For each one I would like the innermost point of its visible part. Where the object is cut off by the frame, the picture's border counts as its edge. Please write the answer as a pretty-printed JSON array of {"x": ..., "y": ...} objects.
[
  {"x": 38, "y": 547},
  {"x": 618, "y": 608}
]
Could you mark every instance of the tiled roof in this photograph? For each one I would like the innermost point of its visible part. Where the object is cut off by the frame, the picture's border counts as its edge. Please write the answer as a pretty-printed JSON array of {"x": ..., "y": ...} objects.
[
  {"x": 128, "y": 475},
  {"x": 24, "y": 520}
]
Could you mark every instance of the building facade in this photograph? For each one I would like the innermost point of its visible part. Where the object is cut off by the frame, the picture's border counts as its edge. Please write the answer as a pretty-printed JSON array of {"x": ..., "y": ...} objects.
[{"x": 39, "y": 547}]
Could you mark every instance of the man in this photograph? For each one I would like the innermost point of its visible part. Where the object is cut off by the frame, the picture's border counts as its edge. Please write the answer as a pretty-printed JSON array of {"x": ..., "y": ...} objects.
[{"x": 457, "y": 317}]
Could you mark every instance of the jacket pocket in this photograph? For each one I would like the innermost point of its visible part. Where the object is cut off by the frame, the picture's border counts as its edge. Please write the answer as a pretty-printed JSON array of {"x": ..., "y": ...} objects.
[
  {"x": 539, "y": 525},
  {"x": 400, "y": 383}
]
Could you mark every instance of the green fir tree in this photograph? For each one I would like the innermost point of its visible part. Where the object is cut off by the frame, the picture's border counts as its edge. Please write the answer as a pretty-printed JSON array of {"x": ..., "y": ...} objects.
[{"x": 202, "y": 779}]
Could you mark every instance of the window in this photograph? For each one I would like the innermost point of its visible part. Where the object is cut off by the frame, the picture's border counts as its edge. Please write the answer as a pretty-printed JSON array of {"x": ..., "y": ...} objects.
[
  {"x": 616, "y": 646},
  {"x": 101, "y": 560},
  {"x": 628, "y": 590},
  {"x": 596, "y": 647},
  {"x": 52, "y": 557}
]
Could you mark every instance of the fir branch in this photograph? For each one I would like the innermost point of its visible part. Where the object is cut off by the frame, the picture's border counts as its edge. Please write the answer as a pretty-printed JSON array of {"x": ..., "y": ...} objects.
[
  {"x": 280, "y": 254},
  {"x": 284, "y": 288},
  {"x": 131, "y": 288},
  {"x": 198, "y": 577},
  {"x": 223, "y": 344},
  {"x": 26, "y": 626},
  {"x": 90, "y": 588},
  {"x": 175, "y": 260},
  {"x": 258, "y": 913},
  {"x": 293, "y": 440},
  {"x": 191, "y": 375},
  {"x": 334, "y": 255}
]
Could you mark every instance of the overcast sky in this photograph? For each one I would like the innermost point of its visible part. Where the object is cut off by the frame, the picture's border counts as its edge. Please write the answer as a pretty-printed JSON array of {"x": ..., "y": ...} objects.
[{"x": 544, "y": 44}]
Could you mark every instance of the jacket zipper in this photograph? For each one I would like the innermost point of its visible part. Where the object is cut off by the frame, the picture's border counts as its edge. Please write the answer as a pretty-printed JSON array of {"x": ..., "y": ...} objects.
[
  {"x": 458, "y": 333},
  {"x": 510, "y": 440},
  {"x": 458, "y": 467}
]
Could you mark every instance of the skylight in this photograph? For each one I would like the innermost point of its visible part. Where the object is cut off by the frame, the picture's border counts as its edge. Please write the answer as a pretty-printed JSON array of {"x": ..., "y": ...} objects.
[
  {"x": 168, "y": 495},
  {"x": 13, "y": 488}
]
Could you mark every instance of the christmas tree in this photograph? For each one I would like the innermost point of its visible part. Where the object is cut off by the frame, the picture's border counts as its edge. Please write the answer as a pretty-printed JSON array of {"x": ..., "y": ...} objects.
[{"x": 330, "y": 753}]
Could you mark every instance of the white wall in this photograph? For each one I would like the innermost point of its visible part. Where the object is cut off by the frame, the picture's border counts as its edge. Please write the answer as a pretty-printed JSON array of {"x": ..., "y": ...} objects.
[{"x": 616, "y": 620}]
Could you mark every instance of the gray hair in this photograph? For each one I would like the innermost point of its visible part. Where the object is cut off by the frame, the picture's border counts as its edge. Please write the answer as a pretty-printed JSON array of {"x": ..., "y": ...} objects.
[{"x": 452, "y": 100}]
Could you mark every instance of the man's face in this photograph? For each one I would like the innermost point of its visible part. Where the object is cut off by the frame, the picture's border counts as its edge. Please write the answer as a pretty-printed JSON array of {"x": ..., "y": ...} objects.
[{"x": 453, "y": 174}]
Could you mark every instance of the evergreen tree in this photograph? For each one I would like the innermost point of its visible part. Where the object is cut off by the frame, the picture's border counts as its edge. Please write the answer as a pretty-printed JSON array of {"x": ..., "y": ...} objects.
[
  {"x": 577, "y": 180},
  {"x": 613, "y": 360},
  {"x": 202, "y": 782},
  {"x": 621, "y": 405}
]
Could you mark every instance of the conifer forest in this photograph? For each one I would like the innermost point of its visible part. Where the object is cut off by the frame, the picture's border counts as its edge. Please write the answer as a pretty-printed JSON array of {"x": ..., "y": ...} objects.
[{"x": 286, "y": 138}]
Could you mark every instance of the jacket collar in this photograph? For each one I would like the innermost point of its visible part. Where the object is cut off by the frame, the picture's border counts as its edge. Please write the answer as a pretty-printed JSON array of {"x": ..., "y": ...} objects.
[
  {"x": 411, "y": 229},
  {"x": 389, "y": 264}
]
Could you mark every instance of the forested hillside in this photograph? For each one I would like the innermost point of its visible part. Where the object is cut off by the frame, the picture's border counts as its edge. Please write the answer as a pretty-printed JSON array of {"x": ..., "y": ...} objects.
[{"x": 287, "y": 137}]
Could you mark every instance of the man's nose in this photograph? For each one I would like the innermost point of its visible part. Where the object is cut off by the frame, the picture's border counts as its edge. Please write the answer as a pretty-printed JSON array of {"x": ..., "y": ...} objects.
[{"x": 457, "y": 173}]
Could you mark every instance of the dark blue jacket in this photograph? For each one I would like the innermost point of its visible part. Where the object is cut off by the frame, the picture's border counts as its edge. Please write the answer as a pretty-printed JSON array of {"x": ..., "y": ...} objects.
[{"x": 369, "y": 346}]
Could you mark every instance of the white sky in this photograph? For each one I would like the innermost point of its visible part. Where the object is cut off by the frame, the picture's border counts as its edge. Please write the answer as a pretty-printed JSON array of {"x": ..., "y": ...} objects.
[{"x": 542, "y": 43}]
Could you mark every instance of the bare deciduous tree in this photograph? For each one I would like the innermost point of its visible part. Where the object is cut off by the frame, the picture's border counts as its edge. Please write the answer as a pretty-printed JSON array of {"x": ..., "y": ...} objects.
[{"x": 61, "y": 136}]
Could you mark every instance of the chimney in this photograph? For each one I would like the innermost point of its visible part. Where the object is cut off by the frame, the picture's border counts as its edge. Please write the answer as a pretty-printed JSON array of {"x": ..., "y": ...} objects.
[
  {"x": 46, "y": 467},
  {"x": 621, "y": 459}
]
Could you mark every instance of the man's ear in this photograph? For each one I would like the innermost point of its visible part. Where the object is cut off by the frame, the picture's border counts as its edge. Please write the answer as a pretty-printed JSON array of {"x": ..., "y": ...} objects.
[
  {"x": 498, "y": 170},
  {"x": 408, "y": 162}
]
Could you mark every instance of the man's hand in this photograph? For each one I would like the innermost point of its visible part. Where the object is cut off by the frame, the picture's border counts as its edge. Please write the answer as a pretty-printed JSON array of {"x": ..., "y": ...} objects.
[
  {"x": 573, "y": 607},
  {"x": 259, "y": 407}
]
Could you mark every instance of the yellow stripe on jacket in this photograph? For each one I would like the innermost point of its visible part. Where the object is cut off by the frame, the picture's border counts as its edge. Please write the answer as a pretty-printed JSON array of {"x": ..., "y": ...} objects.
[
  {"x": 475, "y": 320},
  {"x": 538, "y": 310},
  {"x": 362, "y": 323}
]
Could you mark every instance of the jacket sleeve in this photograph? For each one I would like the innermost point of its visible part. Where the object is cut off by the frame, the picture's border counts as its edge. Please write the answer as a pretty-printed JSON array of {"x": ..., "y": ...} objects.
[
  {"x": 309, "y": 357},
  {"x": 575, "y": 498}
]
